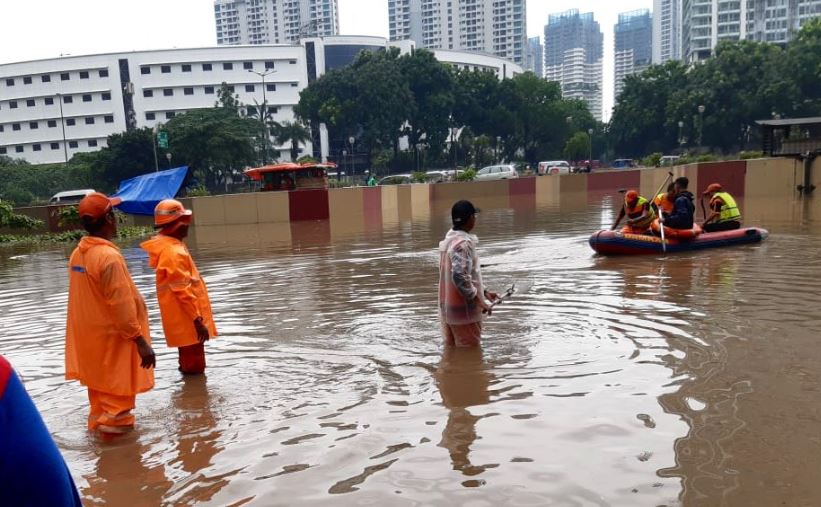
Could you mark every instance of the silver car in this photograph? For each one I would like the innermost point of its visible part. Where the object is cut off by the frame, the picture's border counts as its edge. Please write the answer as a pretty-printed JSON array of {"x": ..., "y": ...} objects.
[{"x": 497, "y": 172}]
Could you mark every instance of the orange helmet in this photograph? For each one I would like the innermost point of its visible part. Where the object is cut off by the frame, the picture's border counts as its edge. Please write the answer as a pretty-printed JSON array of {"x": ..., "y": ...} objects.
[
  {"x": 631, "y": 196},
  {"x": 169, "y": 211},
  {"x": 712, "y": 188}
]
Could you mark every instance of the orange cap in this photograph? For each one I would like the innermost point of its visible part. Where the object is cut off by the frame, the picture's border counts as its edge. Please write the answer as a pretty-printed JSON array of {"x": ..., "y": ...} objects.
[
  {"x": 631, "y": 196},
  {"x": 713, "y": 187},
  {"x": 169, "y": 211},
  {"x": 96, "y": 205}
]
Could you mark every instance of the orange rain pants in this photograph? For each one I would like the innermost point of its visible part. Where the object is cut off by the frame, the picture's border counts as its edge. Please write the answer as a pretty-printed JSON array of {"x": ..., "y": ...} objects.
[
  {"x": 110, "y": 413},
  {"x": 465, "y": 335},
  {"x": 192, "y": 359}
]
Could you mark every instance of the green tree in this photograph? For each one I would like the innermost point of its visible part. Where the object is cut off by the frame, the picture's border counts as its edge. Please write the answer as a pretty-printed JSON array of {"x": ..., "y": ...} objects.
[
  {"x": 127, "y": 154},
  {"x": 578, "y": 146},
  {"x": 294, "y": 133},
  {"x": 804, "y": 65}
]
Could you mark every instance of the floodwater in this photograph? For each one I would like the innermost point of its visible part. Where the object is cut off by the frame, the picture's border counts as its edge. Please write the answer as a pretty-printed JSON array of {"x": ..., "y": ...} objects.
[{"x": 686, "y": 380}]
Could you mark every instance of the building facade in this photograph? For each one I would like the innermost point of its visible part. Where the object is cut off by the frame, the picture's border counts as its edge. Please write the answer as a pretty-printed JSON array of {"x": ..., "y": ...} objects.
[
  {"x": 666, "y": 30},
  {"x": 274, "y": 21},
  {"x": 633, "y": 46},
  {"x": 53, "y": 109},
  {"x": 705, "y": 23},
  {"x": 496, "y": 27},
  {"x": 535, "y": 56},
  {"x": 574, "y": 48}
]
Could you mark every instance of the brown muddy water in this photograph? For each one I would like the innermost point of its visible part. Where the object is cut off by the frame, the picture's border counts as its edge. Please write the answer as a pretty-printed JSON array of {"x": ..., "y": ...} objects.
[{"x": 686, "y": 380}]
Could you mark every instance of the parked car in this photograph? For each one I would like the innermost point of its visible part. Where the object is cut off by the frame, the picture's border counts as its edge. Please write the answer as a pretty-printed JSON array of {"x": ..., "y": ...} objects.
[
  {"x": 554, "y": 167},
  {"x": 70, "y": 196},
  {"x": 396, "y": 179},
  {"x": 497, "y": 172},
  {"x": 668, "y": 160},
  {"x": 624, "y": 163}
]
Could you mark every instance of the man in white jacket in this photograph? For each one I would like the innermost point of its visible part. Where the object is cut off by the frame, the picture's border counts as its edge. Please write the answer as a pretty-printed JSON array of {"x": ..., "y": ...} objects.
[{"x": 463, "y": 300}]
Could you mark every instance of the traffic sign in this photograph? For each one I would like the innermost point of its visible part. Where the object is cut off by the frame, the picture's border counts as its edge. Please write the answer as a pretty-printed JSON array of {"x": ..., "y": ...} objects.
[{"x": 162, "y": 139}]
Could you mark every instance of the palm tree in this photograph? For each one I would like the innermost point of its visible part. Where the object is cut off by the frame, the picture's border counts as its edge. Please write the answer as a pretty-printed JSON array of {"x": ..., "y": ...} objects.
[{"x": 294, "y": 133}]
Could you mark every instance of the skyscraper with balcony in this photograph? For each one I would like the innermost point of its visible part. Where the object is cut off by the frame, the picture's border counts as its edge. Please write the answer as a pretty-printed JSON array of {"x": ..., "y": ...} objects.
[
  {"x": 666, "y": 30},
  {"x": 573, "y": 47},
  {"x": 634, "y": 43},
  {"x": 535, "y": 56},
  {"x": 705, "y": 23},
  {"x": 274, "y": 21},
  {"x": 497, "y": 27}
]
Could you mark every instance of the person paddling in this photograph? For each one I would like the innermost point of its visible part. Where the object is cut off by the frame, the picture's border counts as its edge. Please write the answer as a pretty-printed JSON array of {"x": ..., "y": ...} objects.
[
  {"x": 683, "y": 208},
  {"x": 463, "y": 300},
  {"x": 108, "y": 346},
  {"x": 187, "y": 319},
  {"x": 724, "y": 212}
]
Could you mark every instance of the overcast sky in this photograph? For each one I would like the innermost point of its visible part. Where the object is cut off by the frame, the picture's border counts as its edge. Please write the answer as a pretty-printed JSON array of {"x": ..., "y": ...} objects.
[{"x": 34, "y": 29}]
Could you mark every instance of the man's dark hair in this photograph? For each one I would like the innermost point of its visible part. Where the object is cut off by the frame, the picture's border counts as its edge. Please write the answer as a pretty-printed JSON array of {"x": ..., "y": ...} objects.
[
  {"x": 671, "y": 187},
  {"x": 461, "y": 213},
  {"x": 93, "y": 226},
  {"x": 683, "y": 182}
]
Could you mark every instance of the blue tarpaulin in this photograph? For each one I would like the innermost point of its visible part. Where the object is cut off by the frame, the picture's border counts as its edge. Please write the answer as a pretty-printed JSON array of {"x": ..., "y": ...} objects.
[{"x": 140, "y": 195}]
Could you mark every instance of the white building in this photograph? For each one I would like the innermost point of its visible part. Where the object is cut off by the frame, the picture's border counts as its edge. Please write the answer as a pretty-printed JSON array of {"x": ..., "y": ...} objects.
[
  {"x": 574, "y": 47},
  {"x": 535, "y": 56},
  {"x": 705, "y": 23},
  {"x": 52, "y": 109},
  {"x": 666, "y": 30},
  {"x": 274, "y": 21},
  {"x": 633, "y": 46},
  {"x": 496, "y": 27}
]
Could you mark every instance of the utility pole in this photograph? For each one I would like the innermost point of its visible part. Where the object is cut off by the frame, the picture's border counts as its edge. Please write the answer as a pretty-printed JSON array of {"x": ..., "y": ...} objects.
[{"x": 263, "y": 113}]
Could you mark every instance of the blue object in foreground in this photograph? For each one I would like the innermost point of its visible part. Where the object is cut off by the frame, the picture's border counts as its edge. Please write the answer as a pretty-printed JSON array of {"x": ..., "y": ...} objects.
[{"x": 141, "y": 194}]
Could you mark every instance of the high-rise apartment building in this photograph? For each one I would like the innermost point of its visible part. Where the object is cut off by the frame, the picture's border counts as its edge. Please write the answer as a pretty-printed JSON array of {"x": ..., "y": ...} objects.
[
  {"x": 634, "y": 43},
  {"x": 574, "y": 47},
  {"x": 705, "y": 23},
  {"x": 274, "y": 21},
  {"x": 497, "y": 27},
  {"x": 535, "y": 56},
  {"x": 666, "y": 30}
]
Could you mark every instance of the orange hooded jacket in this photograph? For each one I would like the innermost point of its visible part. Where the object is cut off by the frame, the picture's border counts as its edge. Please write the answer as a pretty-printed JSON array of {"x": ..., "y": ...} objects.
[
  {"x": 180, "y": 290},
  {"x": 105, "y": 314}
]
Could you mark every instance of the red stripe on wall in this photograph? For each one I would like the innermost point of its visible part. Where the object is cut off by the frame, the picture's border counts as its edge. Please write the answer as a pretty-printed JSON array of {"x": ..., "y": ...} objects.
[
  {"x": 522, "y": 186},
  {"x": 614, "y": 180},
  {"x": 372, "y": 206},
  {"x": 730, "y": 175},
  {"x": 308, "y": 205}
]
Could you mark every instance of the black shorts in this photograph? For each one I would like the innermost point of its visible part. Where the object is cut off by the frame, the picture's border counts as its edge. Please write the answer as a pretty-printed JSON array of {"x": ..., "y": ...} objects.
[{"x": 730, "y": 225}]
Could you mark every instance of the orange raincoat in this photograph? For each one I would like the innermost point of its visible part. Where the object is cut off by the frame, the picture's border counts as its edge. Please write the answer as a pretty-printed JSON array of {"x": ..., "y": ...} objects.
[
  {"x": 180, "y": 289},
  {"x": 105, "y": 314}
]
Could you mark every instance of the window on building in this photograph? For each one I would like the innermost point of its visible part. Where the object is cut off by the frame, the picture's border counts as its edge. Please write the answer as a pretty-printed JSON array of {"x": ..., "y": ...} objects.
[
  {"x": 103, "y": 72},
  {"x": 150, "y": 116},
  {"x": 269, "y": 65},
  {"x": 90, "y": 120},
  {"x": 87, "y": 98},
  {"x": 271, "y": 87},
  {"x": 2, "y": 128},
  {"x": 9, "y": 82},
  {"x": 294, "y": 85},
  {"x": 15, "y": 126},
  {"x": 92, "y": 143},
  {"x": 65, "y": 76},
  {"x": 170, "y": 114},
  {"x": 12, "y": 104},
  {"x": 34, "y": 125},
  {"x": 18, "y": 149},
  {"x": 165, "y": 69},
  {"x": 249, "y": 88},
  {"x": 84, "y": 74},
  {"x": 71, "y": 122},
  {"x": 45, "y": 78},
  {"x": 145, "y": 70},
  {"x": 55, "y": 146},
  {"x": 68, "y": 99},
  {"x": 231, "y": 88},
  {"x": 109, "y": 119},
  {"x": 72, "y": 144},
  {"x": 36, "y": 147},
  {"x": 227, "y": 66},
  {"x": 30, "y": 103},
  {"x": 148, "y": 93},
  {"x": 248, "y": 65},
  {"x": 207, "y": 67},
  {"x": 49, "y": 101},
  {"x": 52, "y": 124},
  {"x": 168, "y": 92},
  {"x": 188, "y": 91},
  {"x": 106, "y": 96},
  {"x": 3, "y": 150},
  {"x": 209, "y": 90},
  {"x": 186, "y": 68},
  {"x": 27, "y": 80}
]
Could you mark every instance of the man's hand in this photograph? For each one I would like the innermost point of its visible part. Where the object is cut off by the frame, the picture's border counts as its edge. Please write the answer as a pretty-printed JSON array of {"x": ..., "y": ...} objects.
[
  {"x": 202, "y": 331},
  {"x": 149, "y": 360},
  {"x": 491, "y": 296},
  {"x": 486, "y": 308}
]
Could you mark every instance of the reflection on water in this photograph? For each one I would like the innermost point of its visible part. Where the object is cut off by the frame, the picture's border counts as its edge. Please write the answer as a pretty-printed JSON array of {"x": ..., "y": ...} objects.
[{"x": 630, "y": 381}]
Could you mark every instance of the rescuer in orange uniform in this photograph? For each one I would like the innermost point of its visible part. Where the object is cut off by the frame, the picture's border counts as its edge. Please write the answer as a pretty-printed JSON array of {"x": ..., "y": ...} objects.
[
  {"x": 665, "y": 202},
  {"x": 108, "y": 347},
  {"x": 186, "y": 310},
  {"x": 639, "y": 214}
]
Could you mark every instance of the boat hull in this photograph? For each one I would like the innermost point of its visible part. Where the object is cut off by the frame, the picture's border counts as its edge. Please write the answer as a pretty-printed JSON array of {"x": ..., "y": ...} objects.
[{"x": 618, "y": 243}]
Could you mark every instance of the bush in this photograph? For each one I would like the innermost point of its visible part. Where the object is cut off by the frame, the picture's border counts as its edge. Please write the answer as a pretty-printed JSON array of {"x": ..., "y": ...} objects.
[
  {"x": 747, "y": 155},
  {"x": 467, "y": 175},
  {"x": 199, "y": 191},
  {"x": 419, "y": 177},
  {"x": 68, "y": 216},
  {"x": 11, "y": 220},
  {"x": 18, "y": 196},
  {"x": 652, "y": 160}
]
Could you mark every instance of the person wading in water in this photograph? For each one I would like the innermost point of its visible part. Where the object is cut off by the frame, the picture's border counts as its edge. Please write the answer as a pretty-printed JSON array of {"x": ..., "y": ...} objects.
[{"x": 463, "y": 299}]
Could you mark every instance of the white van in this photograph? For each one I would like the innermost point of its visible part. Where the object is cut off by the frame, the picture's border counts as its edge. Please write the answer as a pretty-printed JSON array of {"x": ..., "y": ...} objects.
[
  {"x": 70, "y": 196},
  {"x": 554, "y": 167}
]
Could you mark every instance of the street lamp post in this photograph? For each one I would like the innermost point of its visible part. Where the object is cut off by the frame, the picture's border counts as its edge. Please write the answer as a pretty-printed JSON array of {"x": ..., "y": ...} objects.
[
  {"x": 154, "y": 139},
  {"x": 262, "y": 113},
  {"x": 344, "y": 164},
  {"x": 63, "y": 126},
  {"x": 681, "y": 135},
  {"x": 168, "y": 156},
  {"x": 701, "y": 110},
  {"x": 590, "y": 138},
  {"x": 351, "y": 141}
]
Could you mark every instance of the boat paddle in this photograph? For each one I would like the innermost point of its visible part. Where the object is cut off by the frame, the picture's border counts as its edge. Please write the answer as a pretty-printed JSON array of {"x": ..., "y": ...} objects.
[{"x": 661, "y": 216}]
